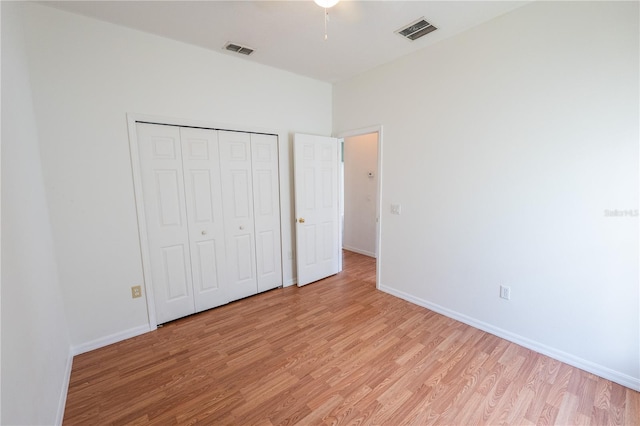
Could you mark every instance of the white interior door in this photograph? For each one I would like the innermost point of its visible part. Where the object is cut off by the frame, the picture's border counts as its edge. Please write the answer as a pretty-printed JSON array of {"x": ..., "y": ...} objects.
[
  {"x": 237, "y": 198},
  {"x": 166, "y": 219},
  {"x": 203, "y": 193},
  {"x": 316, "y": 160},
  {"x": 266, "y": 208}
]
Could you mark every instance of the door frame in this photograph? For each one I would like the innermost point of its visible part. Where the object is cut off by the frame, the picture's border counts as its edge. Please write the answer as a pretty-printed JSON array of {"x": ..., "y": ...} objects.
[
  {"x": 132, "y": 119},
  {"x": 359, "y": 132}
]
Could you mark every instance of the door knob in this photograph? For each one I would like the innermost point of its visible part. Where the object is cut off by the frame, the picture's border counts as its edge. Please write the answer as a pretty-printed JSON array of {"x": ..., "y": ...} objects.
[
  {"x": 241, "y": 227},
  {"x": 301, "y": 220},
  {"x": 204, "y": 232}
]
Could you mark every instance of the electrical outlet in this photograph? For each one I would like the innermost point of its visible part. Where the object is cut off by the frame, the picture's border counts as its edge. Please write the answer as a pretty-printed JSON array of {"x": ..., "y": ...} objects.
[
  {"x": 505, "y": 292},
  {"x": 136, "y": 291},
  {"x": 395, "y": 209}
]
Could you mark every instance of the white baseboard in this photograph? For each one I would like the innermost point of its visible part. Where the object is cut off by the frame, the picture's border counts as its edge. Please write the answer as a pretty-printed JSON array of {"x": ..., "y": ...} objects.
[
  {"x": 62, "y": 401},
  {"x": 113, "y": 338},
  {"x": 356, "y": 250},
  {"x": 599, "y": 370}
]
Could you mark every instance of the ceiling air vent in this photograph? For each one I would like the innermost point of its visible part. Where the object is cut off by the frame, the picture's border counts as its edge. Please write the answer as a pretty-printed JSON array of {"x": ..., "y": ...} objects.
[
  {"x": 239, "y": 49},
  {"x": 416, "y": 29}
]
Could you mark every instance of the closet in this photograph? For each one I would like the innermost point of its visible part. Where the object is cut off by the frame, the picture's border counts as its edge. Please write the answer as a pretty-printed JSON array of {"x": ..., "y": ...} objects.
[{"x": 211, "y": 214}]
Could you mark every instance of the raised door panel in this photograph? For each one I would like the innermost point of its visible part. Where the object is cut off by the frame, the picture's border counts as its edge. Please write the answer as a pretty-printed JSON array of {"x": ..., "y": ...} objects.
[
  {"x": 237, "y": 196},
  {"x": 266, "y": 198},
  {"x": 166, "y": 220},
  {"x": 201, "y": 163},
  {"x": 174, "y": 268}
]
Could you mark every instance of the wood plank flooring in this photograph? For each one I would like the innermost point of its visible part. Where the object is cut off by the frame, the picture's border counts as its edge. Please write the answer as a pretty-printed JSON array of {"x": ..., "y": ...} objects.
[{"x": 334, "y": 352}]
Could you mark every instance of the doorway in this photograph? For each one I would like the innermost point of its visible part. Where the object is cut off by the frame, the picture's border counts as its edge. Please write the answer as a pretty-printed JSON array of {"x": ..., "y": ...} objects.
[{"x": 360, "y": 192}]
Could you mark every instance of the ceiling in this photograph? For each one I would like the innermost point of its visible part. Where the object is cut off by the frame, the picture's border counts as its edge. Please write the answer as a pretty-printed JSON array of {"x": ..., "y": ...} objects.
[{"x": 290, "y": 34}]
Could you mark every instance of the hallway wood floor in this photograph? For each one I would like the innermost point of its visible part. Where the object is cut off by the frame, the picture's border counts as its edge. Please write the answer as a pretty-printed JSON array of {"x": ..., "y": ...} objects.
[{"x": 334, "y": 352}]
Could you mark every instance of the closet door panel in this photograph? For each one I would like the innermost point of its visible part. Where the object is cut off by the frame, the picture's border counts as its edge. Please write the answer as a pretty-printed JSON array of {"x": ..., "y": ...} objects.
[
  {"x": 166, "y": 220},
  {"x": 237, "y": 196},
  {"x": 264, "y": 161},
  {"x": 201, "y": 163},
  {"x": 175, "y": 272},
  {"x": 205, "y": 267}
]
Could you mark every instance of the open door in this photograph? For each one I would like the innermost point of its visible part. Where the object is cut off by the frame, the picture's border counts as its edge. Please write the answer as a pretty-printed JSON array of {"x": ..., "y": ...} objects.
[{"x": 316, "y": 160}]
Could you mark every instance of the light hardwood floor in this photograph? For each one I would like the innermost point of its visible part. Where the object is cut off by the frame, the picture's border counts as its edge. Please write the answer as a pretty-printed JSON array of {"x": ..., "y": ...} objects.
[{"x": 334, "y": 352}]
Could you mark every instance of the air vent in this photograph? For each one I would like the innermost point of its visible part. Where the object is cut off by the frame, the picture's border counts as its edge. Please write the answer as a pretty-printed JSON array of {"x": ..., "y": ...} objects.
[
  {"x": 244, "y": 50},
  {"x": 416, "y": 29}
]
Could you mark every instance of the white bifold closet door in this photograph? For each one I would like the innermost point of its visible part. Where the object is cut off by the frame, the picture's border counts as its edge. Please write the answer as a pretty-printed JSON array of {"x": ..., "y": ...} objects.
[
  {"x": 249, "y": 167},
  {"x": 211, "y": 204},
  {"x": 180, "y": 172},
  {"x": 266, "y": 207},
  {"x": 203, "y": 194}
]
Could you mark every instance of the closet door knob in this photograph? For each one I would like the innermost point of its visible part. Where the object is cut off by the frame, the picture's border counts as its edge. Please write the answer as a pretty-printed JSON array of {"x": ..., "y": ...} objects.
[
  {"x": 241, "y": 227},
  {"x": 204, "y": 232},
  {"x": 301, "y": 220}
]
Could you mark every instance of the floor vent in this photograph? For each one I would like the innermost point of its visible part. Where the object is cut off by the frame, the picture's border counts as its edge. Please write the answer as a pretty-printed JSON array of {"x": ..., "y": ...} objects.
[
  {"x": 244, "y": 50},
  {"x": 416, "y": 29}
]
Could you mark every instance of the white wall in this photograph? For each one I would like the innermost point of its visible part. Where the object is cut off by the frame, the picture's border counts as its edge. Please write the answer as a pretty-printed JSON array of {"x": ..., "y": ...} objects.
[
  {"x": 35, "y": 342},
  {"x": 86, "y": 76},
  {"x": 504, "y": 146},
  {"x": 360, "y": 192}
]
